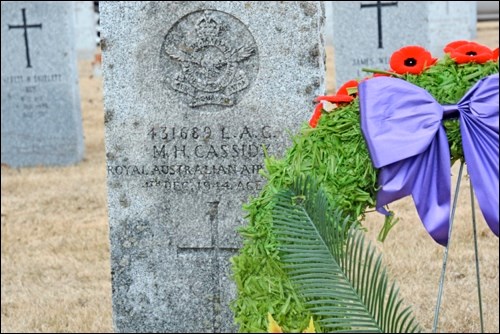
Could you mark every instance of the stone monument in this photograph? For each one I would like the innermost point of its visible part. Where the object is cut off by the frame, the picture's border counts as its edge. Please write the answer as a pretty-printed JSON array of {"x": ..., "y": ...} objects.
[
  {"x": 196, "y": 94},
  {"x": 366, "y": 33},
  {"x": 41, "y": 119},
  {"x": 86, "y": 29}
]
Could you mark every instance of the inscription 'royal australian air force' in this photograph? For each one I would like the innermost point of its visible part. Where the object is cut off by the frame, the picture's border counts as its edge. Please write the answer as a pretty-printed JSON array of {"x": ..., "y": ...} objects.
[{"x": 211, "y": 58}]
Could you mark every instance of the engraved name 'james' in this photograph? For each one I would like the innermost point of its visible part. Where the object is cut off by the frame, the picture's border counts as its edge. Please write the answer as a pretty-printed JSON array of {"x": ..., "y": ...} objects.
[{"x": 211, "y": 58}]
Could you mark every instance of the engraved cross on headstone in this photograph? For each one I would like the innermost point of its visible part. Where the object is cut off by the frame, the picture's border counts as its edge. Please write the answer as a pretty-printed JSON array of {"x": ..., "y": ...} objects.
[
  {"x": 379, "y": 6},
  {"x": 26, "y": 26},
  {"x": 214, "y": 249}
]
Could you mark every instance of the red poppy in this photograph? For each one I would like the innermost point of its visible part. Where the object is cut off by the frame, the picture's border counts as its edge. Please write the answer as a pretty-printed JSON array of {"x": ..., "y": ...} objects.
[
  {"x": 375, "y": 75},
  {"x": 316, "y": 115},
  {"x": 453, "y": 45},
  {"x": 411, "y": 59},
  {"x": 339, "y": 98},
  {"x": 342, "y": 96},
  {"x": 344, "y": 89},
  {"x": 471, "y": 53},
  {"x": 495, "y": 55}
]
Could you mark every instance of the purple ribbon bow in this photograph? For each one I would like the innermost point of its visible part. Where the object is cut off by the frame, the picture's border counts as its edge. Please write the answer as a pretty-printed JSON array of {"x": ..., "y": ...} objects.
[{"x": 402, "y": 125}]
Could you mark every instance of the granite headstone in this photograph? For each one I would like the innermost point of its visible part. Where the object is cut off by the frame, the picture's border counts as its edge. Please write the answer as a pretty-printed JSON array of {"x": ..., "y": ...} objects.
[
  {"x": 86, "y": 29},
  {"x": 41, "y": 118},
  {"x": 196, "y": 93},
  {"x": 328, "y": 23},
  {"x": 366, "y": 33}
]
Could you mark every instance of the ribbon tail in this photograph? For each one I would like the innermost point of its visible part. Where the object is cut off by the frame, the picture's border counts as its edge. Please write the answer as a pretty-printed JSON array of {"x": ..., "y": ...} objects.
[
  {"x": 427, "y": 178},
  {"x": 480, "y": 144}
]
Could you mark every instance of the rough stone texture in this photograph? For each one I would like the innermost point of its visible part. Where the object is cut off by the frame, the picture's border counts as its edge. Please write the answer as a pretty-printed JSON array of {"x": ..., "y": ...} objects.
[
  {"x": 431, "y": 24},
  {"x": 195, "y": 93},
  {"x": 86, "y": 29},
  {"x": 41, "y": 119}
]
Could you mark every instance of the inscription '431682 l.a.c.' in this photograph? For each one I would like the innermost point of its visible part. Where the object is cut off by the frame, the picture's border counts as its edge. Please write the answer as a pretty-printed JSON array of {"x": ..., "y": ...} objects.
[{"x": 210, "y": 57}]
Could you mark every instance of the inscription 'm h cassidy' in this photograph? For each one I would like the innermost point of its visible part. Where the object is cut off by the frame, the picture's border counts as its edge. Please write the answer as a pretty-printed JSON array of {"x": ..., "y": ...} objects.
[{"x": 202, "y": 158}]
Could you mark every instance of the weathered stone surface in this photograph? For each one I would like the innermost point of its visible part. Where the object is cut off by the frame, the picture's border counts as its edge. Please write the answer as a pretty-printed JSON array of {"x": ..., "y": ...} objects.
[
  {"x": 86, "y": 29},
  {"x": 41, "y": 119},
  {"x": 196, "y": 93}
]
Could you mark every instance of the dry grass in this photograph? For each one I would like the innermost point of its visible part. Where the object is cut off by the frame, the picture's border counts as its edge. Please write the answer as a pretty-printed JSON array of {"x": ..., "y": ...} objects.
[
  {"x": 55, "y": 246},
  {"x": 415, "y": 261}
]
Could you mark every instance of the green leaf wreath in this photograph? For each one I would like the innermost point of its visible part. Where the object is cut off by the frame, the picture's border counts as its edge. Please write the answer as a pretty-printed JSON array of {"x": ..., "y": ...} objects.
[
  {"x": 338, "y": 274},
  {"x": 302, "y": 256}
]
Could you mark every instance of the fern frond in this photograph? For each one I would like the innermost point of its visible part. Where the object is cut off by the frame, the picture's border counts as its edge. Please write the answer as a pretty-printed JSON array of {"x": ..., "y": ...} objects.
[{"x": 342, "y": 279}]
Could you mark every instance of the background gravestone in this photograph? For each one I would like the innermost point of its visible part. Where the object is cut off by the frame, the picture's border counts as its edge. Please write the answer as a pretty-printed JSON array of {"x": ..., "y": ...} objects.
[
  {"x": 366, "y": 33},
  {"x": 195, "y": 94},
  {"x": 41, "y": 119},
  {"x": 86, "y": 29}
]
